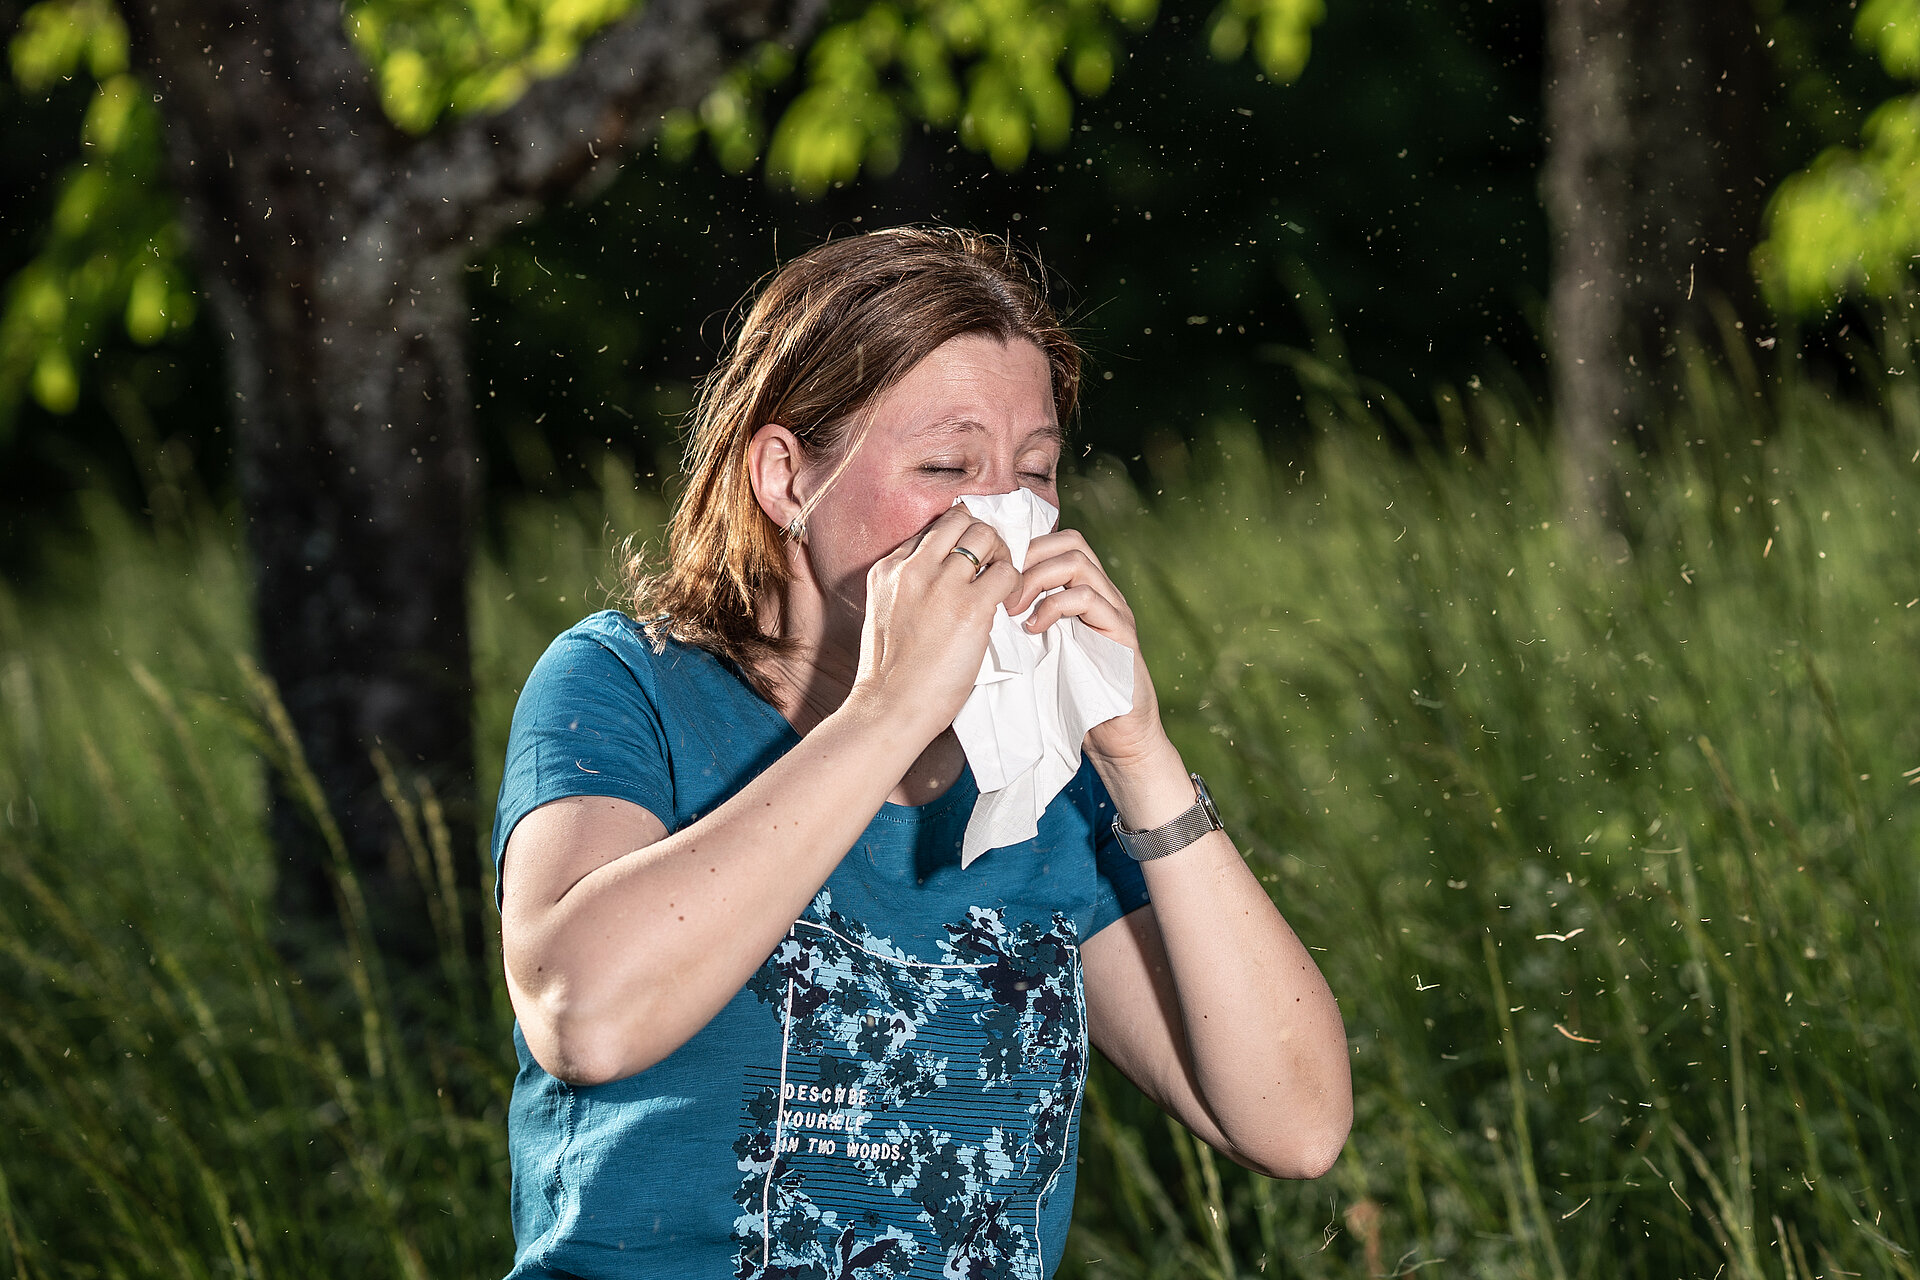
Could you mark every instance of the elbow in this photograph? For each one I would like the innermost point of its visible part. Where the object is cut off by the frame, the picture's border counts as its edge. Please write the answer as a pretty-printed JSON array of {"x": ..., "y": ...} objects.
[
  {"x": 582, "y": 1025},
  {"x": 576, "y": 1042},
  {"x": 1303, "y": 1156},
  {"x": 1301, "y": 1152},
  {"x": 581, "y": 1059},
  {"x": 1307, "y": 1143}
]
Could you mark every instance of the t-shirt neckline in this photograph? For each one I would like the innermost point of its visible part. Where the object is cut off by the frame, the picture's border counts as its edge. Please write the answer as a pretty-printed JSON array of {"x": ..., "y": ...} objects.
[{"x": 931, "y": 811}]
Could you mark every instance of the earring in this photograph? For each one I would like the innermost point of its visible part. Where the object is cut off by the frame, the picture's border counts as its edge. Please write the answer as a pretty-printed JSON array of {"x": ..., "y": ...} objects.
[{"x": 796, "y": 529}]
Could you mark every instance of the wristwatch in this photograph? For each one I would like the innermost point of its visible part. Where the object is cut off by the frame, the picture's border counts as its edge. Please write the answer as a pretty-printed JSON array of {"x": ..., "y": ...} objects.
[{"x": 1174, "y": 835}]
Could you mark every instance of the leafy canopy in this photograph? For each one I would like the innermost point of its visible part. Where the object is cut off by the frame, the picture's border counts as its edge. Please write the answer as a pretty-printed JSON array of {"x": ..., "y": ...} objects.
[
  {"x": 1002, "y": 72},
  {"x": 434, "y": 57},
  {"x": 112, "y": 251},
  {"x": 1850, "y": 222}
]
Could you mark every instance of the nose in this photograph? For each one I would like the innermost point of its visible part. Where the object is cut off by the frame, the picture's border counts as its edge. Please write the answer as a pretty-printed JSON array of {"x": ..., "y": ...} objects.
[{"x": 1001, "y": 472}]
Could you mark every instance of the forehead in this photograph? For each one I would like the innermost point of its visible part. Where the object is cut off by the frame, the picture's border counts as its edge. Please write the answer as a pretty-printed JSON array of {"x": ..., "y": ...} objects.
[
  {"x": 961, "y": 428},
  {"x": 971, "y": 387}
]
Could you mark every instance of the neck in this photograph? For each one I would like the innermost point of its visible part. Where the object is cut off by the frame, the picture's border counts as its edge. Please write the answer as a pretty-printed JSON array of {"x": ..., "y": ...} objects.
[
  {"x": 813, "y": 678},
  {"x": 810, "y": 681}
]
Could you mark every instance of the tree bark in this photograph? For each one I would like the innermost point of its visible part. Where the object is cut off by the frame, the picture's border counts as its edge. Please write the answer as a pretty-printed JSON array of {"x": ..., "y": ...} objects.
[
  {"x": 330, "y": 248},
  {"x": 1654, "y": 116}
]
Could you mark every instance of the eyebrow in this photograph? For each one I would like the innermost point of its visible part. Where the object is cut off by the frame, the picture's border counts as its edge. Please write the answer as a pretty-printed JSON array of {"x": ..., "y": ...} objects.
[{"x": 967, "y": 426}]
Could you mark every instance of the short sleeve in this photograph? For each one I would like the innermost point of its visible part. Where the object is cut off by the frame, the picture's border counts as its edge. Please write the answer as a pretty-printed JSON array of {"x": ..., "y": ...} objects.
[
  {"x": 586, "y": 724},
  {"x": 1122, "y": 889}
]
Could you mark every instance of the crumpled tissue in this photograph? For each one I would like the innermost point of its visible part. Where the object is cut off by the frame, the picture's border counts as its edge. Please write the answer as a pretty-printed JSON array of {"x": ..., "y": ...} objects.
[{"x": 1035, "y": 697}]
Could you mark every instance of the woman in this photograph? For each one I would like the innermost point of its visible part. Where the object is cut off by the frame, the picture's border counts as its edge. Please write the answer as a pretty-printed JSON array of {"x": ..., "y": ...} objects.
[{"x": 768, "y": 1025}]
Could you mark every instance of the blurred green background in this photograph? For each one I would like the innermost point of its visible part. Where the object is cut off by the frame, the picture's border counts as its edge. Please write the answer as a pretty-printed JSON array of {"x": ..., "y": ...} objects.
[{"x": 1602, "y": 826}]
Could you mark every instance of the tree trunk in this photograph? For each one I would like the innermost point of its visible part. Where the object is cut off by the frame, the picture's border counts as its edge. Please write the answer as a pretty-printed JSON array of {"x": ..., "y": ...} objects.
[
  {"x": 330, "y": 248},
  {"x": 358, "y": 476},
  {"x": 1654, "y": 113}
]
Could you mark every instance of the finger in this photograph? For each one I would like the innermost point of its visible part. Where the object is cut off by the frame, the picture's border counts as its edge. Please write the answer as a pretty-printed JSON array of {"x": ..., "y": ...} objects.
[
  {"x": 997, "y": 579},
  {"x": 944, "y": 530},
  {"x": 898, "y": 555},
  {"x": 975, "y": 562},
  {"x": 978, "y": 546},
  {"x": 1066, "y": 569},
  {"x": 1090, "y": 607},
  {"x": 1060, "y": 540}
]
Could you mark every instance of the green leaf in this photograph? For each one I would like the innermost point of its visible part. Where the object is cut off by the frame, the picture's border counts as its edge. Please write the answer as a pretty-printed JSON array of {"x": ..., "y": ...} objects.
[
  {"x": 679, "y": 134},
  {"x": 410, "y": 93},
  {"x": 1228, "y": 39},
  {"x": 1137, "y": 14},
  {"x": 147, "y": 299},
  {"x": 432, "y": 57},
  {"x": 1020, "y": 62},
  {"x": 54, "y": 383},
  {"x": 112, "y": 253},
  {"x": 1892, "y": 28},
  {"x": 110, "y": 114},
  {"x": 1848, "y": 223},
  {"x": 929, "y": 74},
  {"x": 58, "y": 37},
  {"x": 73, "y": 211},
  {"x": 1092, "y": 68},
  {"x": 995, "y": 120},
  {"x": 1280, "y": 31}
]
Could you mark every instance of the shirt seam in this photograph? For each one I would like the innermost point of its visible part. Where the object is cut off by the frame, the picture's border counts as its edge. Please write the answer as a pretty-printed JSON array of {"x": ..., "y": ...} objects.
[{"x": 557, "y": 1182}]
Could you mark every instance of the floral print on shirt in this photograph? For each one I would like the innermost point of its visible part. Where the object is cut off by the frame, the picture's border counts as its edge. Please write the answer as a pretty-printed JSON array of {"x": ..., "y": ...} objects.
[{"x": 922, "y": 1111}]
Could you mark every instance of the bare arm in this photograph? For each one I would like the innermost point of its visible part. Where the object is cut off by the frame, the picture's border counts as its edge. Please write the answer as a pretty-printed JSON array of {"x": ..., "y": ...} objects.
[
  {"x": 1206, "y": 999},
  {"x": 622, "y": 941},
  {"x": 1209, "y": 1003}
]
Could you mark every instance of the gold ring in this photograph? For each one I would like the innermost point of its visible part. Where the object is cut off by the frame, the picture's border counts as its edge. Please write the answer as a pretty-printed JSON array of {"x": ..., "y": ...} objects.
[{"x": 962, "y": 551}]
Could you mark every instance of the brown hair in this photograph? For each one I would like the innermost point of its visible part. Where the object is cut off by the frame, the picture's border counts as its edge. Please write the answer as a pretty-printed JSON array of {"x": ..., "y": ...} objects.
[{"x": 829, "y": 333}]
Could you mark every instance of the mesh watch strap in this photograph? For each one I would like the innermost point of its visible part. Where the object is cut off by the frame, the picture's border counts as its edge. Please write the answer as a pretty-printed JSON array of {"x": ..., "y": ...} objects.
[{"x": 1172, "y": 836}]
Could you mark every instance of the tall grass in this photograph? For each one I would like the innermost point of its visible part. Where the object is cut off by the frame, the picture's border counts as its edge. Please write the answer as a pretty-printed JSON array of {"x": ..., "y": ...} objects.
[
  {"x": 176, "y": 1100},
  {"x": 1606, "y": 845}
]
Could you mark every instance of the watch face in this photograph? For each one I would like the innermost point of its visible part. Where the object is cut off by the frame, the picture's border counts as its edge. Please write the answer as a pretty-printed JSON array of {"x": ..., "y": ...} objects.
[{"x": 1206, "y": 801}]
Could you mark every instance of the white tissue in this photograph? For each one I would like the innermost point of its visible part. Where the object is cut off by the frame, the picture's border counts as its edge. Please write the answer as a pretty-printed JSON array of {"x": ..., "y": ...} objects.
[{"x": 1035, "y": 697}]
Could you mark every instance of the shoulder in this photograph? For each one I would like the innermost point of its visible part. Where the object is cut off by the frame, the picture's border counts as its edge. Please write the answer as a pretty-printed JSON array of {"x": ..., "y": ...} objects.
[
  {"x": 609, "y": 641},
  {"x": 588, "y": 721},
  {"x": 616, "y": 632},
  {"x": 611, "y": 650},
  {"x": 605, "y": 659}
]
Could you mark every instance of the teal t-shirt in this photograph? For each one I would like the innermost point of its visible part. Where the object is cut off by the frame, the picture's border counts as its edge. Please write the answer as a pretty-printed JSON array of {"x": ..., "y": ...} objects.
[{"x": 895, "y": 1093}]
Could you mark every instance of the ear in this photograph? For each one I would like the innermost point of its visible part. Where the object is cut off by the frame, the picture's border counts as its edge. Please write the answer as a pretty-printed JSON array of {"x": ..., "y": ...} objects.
[{"x": 775, "y": 460}]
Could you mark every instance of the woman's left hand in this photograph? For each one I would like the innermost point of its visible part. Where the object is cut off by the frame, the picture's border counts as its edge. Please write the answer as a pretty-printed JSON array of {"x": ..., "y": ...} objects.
[
  {"x": 1063, "y": 559},
  {"x": 1204, "y": 997}
]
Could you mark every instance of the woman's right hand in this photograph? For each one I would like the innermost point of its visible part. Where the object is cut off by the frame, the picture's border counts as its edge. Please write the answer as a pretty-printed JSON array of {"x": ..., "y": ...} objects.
[
  {"x": 623, "y": 940},
  {"x": 929, "y": 613}
]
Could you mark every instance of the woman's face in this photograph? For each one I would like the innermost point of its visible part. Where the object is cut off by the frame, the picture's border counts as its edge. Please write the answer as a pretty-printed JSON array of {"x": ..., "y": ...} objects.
[{"x": 975, "y": 416}]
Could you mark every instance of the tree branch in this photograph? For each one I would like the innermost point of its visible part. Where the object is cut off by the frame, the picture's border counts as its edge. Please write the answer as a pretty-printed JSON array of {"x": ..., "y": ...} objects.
[{"x": 460, "y": 185}]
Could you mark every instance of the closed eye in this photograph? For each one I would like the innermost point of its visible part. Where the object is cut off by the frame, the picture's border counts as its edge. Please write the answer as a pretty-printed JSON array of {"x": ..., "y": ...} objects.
[{"x": 1042, "y": 477}]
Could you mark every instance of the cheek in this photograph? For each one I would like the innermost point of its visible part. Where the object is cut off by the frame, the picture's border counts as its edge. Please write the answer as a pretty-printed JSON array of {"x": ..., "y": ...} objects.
[
  {"x": 872, "y": 523},
  {"x": 899, "y": 517}
]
